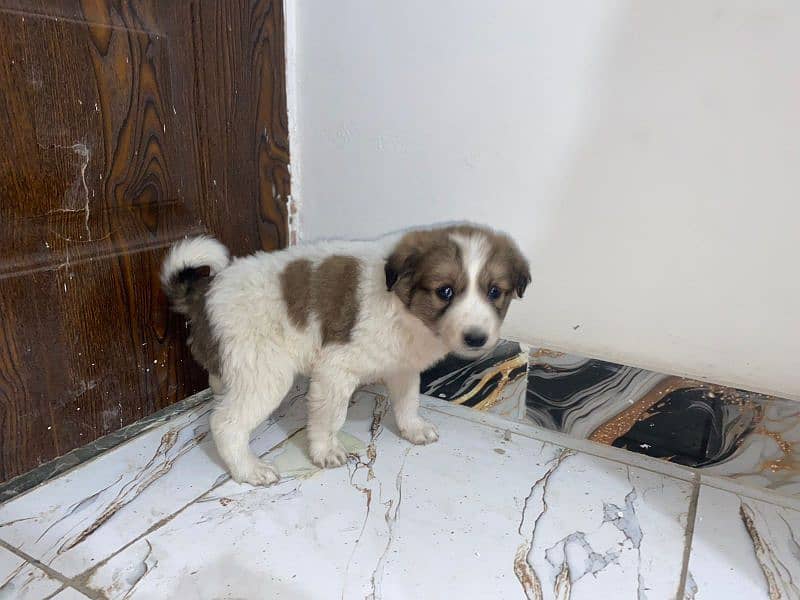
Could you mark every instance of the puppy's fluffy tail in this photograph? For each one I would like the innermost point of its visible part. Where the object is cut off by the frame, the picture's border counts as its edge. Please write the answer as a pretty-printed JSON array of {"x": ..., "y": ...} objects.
[{"x": 186, "y": 263}]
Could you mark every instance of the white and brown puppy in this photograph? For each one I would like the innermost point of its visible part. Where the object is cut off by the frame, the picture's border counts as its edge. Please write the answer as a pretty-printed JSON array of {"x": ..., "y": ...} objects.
[{"x": 343, "y": 313}]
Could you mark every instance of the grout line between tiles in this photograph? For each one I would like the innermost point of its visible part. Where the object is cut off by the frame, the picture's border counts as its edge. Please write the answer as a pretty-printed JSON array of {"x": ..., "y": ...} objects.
[
  {"x": 523, "y": 409},
  {"x": 127, "y": 434},
  {"x": 86, "y": 575},
  {"x": 691, "y": 518},
  {"x": 626, "y": 457},
  {"x": 50, "y": 572},
  {"x": 765, "y": 495}
]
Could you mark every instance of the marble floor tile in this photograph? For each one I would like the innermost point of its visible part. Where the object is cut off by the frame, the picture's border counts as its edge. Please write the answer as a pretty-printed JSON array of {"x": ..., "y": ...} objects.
[
  {"x": 62, "y": 464},
  {"x": 743, "y": 548},
  {"x": 482, "y": 513},
  {"x": 70, "y": 594},
  {"x": 749, "y": 437},
  {"x": 496, "y": 382},
  {"x": 21, "y": 580},
  {"x": 75, "y": 521}
]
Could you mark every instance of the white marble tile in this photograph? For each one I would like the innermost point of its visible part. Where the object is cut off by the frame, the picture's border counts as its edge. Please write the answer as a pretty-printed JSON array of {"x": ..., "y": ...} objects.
[
  {"x": 21, "y": 580},
  {"x": 454, "y": 519},
  {"x": 70, "y": 594},
  {"x": 562, "y": 439},
  {"x": 743, "y": 548},
  {"x": 75, "y": 521}
]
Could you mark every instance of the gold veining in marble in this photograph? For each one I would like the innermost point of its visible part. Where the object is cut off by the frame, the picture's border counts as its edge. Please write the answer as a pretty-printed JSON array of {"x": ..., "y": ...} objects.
[
  {"x": 545, "y": 353},
  {"x": 787, "y": 462},
  {"x": 623, "y": 421},
  {"x": 505, "y": 369}
]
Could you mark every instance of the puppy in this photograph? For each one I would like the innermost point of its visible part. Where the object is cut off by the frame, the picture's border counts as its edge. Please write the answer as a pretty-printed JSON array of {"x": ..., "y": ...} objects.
[{"x": 343, "y": 313}]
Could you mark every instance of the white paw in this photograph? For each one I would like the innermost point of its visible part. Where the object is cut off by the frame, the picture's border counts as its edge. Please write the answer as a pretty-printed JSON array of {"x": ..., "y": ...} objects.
[
  {"x": 259, "y": 472},
  {"x": 329, "y": 455},
  {"x": 419, "y": 431}
]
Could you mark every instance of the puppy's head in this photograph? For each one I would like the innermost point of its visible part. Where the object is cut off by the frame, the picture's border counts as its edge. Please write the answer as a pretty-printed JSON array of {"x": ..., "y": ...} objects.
[{"x": 459, "y": 281}]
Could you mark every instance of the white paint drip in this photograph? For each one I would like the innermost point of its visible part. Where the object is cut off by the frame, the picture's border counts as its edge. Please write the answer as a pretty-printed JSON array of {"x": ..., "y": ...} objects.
[
  {"x": 79, "y": 185},
  {"x": 83, "y": 151}
]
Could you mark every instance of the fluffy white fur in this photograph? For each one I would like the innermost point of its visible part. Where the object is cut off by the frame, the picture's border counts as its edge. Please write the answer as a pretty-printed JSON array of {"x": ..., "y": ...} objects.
[
  {"x": 261, "y": 351},
  {"x": 470, "y": 311},
  {"x": 193, "y": 252}
]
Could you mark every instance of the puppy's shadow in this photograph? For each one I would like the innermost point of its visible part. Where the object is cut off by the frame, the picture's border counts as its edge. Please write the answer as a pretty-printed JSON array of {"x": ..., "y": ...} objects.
[{"x": 228, "y": 570}]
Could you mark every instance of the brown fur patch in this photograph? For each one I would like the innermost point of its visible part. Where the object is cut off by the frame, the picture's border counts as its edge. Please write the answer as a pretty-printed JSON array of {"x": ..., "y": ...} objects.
[
  {"x": 202, "y": 344},
  {"x": 506, "y": 269},
  {"x": 424, "y": 261},
  {"x": 296, "y": 291},
  {"x": 335, "y": 295},
  {"x": 421, "y": 263}
]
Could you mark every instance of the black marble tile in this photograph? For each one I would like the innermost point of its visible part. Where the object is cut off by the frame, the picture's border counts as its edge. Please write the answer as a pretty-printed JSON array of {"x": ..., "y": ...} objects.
[
  {"x": 483, "y": 383},
  {"x": 748, "y": 436},
  {"x": 693, "y": 426}
]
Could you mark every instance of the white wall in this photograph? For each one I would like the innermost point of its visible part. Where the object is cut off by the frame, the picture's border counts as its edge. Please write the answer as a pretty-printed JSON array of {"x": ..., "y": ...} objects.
[{"x": 646, "y": 155}]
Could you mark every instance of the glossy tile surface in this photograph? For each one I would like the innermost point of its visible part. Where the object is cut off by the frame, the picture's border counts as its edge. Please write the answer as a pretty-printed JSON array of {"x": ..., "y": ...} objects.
[
  {"x": 62, "y": 464},
  {"x": 482, "y": 513},
  {"x": 494, "y": 383},
  {"x": 76, "y": 520},
  {"x": 751, "y": 438},
  {"x": 70, "y": 594},
  {"x": 743, "y": 548},
  {"x": 20, "y": 579}
]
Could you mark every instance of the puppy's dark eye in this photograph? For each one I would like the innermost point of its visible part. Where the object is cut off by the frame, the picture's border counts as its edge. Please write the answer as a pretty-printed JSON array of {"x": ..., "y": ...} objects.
[
  {"x": 494, "y": 293},
  {"x": 445, "y": 293}
]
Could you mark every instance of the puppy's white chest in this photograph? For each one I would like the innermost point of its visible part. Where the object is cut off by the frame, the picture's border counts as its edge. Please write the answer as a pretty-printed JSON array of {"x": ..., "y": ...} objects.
[{"x": 419, "y": 348}]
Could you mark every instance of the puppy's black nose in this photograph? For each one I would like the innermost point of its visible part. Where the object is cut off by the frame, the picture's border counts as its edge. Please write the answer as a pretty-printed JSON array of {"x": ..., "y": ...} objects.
[{"x": 475, "y": 338}]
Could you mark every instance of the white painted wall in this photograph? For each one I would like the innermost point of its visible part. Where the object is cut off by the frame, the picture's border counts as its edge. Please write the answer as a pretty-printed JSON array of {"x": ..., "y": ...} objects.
[{"x": 646, "y": 155}]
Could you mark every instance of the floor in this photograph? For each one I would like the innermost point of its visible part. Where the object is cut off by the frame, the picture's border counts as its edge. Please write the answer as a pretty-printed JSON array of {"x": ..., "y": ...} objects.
[
  {"x": 750, "y": 438},
  {"x": 532, "y": 492}
]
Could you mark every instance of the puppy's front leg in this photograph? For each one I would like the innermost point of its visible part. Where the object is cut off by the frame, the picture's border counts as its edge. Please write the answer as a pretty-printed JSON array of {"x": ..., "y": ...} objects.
[
  {"x": 328, "y": 399},
  {"x": 404, "y": 394}
]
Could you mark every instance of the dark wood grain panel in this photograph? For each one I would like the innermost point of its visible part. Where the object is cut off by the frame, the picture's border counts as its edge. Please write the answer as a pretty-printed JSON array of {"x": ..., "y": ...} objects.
[{"x": 129, "y": 125}]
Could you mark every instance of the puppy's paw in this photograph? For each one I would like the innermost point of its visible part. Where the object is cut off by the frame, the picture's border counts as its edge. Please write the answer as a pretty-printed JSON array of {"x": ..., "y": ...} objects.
[
  {"x": 258, "y": 472},
  {"x": 329, "y": 455},
  {"x": 419, "y": 431}
]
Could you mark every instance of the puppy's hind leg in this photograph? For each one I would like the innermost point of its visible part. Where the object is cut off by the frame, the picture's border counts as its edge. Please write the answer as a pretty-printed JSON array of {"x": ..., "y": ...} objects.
[
  {"x": 243, "y": 405},
  {"x": 328, "y": 398}
]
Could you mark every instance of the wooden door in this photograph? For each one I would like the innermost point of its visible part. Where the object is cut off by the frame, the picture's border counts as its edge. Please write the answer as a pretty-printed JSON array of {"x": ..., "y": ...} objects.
[{"x": 124, "y": 126}]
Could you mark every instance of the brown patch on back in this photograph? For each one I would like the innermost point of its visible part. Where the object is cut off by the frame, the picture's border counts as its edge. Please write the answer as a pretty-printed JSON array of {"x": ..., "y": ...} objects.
[
  {"x": 296, "y": 291},
  {"x": 335, "y": 298}
]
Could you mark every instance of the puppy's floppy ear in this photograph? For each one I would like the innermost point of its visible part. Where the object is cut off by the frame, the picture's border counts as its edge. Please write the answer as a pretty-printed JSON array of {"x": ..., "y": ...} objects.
[
  {"x": 521, "y": 272},
  {"x": 399, "y": 264},
  {"x": 405, "y": 257},
  {"x": 391, "y": 272}
]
